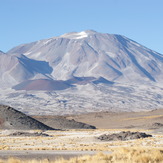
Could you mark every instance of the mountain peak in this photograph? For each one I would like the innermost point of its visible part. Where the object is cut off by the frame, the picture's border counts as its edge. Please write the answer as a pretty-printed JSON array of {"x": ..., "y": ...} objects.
[
  {"x": 90, "y": 31},
  {"x": 83, "y": 71},
  {"x": 78, "y": 35},
  {"x": 113, "y": 57}
]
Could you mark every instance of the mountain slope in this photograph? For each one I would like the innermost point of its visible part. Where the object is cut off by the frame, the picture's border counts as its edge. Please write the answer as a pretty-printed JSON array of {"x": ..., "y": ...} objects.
[
  {"x": 42, "y": 84},
  {"x": 82, "y": 72},
  {"x": 16, "y": 69},
  {"x": 93, "y": 54}
]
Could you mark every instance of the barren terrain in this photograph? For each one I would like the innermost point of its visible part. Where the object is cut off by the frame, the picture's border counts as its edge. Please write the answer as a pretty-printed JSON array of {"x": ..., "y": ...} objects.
[
  {"x": 68, "y": 142},
  {"x": 75, "y": 142},
  {"x": 148, "y": 120}
]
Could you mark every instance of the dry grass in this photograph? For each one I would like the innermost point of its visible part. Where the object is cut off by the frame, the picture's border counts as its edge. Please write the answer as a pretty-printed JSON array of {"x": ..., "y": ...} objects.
[
  {"x": 75, "y": 141},
  {"x": 121, "y": 155}
]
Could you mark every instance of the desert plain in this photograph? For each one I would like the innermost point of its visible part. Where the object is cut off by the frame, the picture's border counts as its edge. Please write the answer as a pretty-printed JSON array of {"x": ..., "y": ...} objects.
[{"x": 51, "y": 145}]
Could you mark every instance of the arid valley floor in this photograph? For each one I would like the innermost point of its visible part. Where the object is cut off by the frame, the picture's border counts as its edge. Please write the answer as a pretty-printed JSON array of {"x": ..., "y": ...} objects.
[{"x": 77, "y": 142}]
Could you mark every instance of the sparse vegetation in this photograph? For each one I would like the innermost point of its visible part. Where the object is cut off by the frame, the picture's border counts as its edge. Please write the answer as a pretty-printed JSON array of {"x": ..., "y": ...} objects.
[
  {"x": 129, "y": 151},
  {"x": 77, "y": 140},
  {"x": 121, "y": 155}
]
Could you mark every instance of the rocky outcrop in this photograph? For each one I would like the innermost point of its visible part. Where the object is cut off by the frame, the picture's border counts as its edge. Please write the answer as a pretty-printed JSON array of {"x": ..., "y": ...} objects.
[
  {"x": 157, "y": 125},
  {"x": 28, "y": 134},
  {"x": 63, "y": 123},
  {"x": 14, "y": 119},
  {"x": 123, "y": 136}
]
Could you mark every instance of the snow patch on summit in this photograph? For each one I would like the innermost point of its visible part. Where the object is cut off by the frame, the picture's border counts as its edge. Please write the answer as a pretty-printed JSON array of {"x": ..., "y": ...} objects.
[
  {"x": 82, "y": 35},
  {"x": 75, "y": 35}
]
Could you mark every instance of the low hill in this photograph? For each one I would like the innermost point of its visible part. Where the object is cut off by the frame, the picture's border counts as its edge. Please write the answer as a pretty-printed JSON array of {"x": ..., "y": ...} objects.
[
  {"x": 13, "y": 119},
  {"x": 62, "y": 123}
]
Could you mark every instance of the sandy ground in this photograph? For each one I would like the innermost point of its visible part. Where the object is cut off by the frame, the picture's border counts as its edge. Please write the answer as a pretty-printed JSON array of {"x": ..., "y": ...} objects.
[
  {"x": 120, "y": 120},
  {"x": 68, "y": 144},
  {"x": 114, "y": 120},
  {"x": 71, "y": 143}
]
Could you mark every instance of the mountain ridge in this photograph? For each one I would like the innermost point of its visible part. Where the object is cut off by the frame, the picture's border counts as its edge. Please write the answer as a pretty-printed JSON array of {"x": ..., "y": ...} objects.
[
  {"x": 92, "y": 54},
  {"x": 82, "y": 72}
]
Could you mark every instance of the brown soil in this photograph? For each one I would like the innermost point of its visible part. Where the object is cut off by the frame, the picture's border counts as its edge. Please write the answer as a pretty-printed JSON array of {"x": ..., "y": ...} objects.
[{"x": 112, "y": 120}]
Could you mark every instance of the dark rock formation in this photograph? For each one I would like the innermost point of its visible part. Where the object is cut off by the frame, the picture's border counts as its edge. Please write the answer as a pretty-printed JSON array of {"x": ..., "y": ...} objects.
[
  {"x": 123, "y": 136},
  {"x": 63, "y": 123},
  {"x": 28, "y": 134},
  {"x": 157, "y": 125},
  {"x": 13, "y": 119}
]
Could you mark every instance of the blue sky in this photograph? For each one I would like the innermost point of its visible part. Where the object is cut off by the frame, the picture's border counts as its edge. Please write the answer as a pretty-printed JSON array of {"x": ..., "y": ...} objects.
[{"x": 24, "y": 21}]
